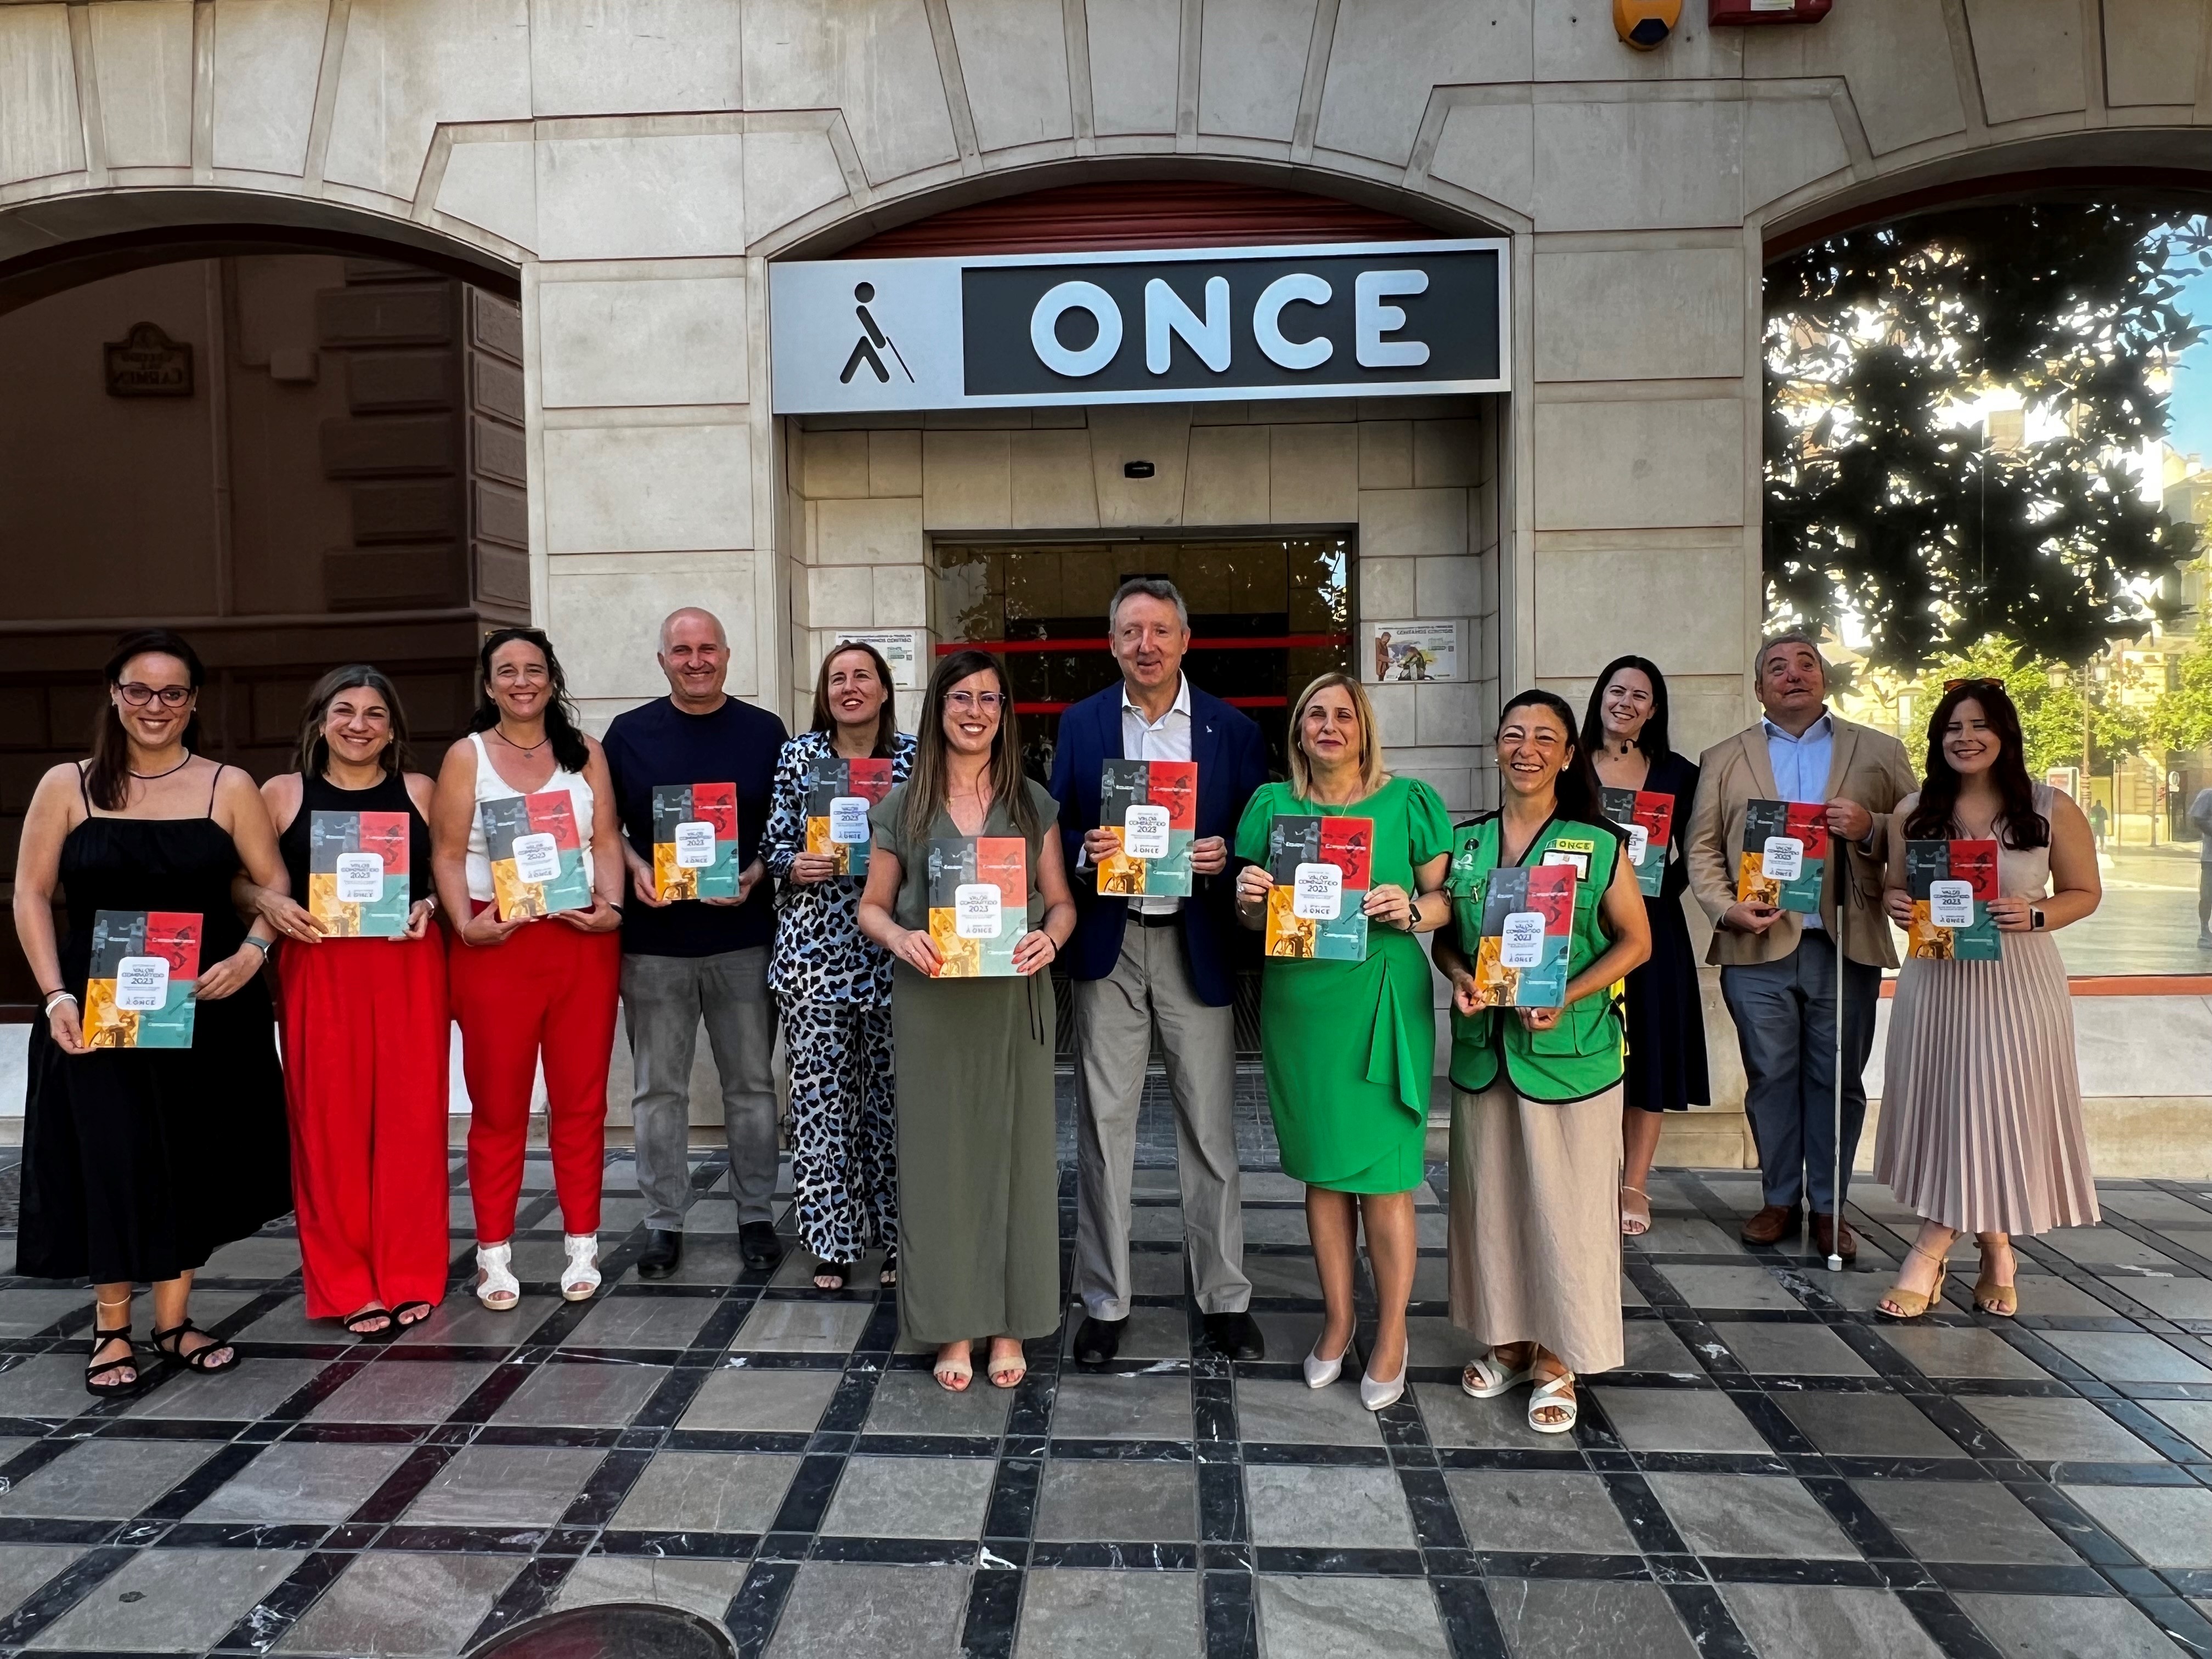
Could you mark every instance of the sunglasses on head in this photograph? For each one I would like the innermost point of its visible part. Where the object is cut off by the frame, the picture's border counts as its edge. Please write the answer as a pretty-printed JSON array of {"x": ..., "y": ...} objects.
[{"x": 1976, "y": 684}]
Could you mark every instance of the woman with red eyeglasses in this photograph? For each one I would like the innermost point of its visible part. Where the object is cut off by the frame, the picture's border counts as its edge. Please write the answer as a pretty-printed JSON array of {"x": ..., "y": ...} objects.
[{"x": 1981, "y": 1110}]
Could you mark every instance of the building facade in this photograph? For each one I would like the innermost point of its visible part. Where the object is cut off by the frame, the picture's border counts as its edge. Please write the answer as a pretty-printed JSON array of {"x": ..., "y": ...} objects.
[{"x": 636, "y": 172}]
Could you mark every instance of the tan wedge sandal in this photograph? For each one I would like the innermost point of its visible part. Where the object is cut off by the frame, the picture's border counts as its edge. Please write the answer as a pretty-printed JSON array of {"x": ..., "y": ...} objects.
[{"x": 1912, "y": 1304}]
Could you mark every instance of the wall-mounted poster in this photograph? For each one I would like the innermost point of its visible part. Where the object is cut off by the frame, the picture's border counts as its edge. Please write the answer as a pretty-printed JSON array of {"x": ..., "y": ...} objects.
[
  {"x": 902, "y": 648},
  {"x": 1402, "y": 653}
]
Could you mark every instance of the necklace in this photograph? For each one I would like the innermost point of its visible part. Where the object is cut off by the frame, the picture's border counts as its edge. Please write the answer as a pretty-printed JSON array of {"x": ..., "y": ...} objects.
[
  {"x": 521, "y": 748},
  {"x": 149, "y": 777}
]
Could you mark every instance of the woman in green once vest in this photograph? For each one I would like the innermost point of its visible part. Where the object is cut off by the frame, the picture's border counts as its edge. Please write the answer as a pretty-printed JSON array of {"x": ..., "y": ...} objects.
[
  {"x": 1536, "y": 1136},
  {"x": 1348, "y": 1045}
]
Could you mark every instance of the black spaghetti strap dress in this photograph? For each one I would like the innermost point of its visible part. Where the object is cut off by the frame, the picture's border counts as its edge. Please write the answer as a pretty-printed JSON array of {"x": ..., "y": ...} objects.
[{"x": 139, "y": 1163}]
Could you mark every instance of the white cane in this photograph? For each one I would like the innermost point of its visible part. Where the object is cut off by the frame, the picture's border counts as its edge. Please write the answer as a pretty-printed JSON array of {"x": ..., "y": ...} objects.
[{"x": 1835, "y": 1190}]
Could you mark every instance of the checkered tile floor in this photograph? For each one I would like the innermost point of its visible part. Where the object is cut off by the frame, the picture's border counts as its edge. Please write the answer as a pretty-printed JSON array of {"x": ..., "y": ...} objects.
[{"x": 1774, "y": 1473}]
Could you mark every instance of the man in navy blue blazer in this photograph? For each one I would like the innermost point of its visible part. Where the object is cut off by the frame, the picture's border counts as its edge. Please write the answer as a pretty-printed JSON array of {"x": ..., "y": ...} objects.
[{"x": 1142, "y": 965}]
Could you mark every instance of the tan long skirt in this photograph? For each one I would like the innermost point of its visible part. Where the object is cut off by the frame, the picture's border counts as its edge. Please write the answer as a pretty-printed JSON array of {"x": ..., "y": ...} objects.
[{"x": 1535, "y": 1222}]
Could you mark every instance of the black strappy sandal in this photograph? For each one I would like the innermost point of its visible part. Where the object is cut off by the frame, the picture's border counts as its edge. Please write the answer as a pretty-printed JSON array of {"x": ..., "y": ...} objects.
[
  {"x": 170, "y": 1344},
  {"x": 888, "y": 1277},
  {"x": 400, "y": 1322},
  {"x": 839, "y": 1271},
  {"x": 384, "y": 1332},
  {"x": 113, "y": 1387}
]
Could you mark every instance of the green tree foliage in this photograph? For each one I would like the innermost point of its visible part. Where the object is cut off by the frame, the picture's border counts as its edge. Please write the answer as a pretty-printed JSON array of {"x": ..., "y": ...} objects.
[
  {"x": 2182, "y": 717},
  {"x": 1878, "y": 504}
]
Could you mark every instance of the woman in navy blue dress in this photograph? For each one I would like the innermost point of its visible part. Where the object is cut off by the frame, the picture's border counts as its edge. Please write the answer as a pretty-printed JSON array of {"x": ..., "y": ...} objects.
[{"x": 1624, "y": 734}]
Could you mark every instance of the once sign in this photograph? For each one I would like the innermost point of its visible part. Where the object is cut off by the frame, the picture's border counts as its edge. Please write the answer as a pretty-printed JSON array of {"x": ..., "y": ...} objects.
[{"x": 1370, "y": 320}]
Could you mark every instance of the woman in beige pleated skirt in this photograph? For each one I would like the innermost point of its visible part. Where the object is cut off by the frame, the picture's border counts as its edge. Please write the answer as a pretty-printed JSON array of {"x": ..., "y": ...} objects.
[{"x": 1981, "y": 1110}]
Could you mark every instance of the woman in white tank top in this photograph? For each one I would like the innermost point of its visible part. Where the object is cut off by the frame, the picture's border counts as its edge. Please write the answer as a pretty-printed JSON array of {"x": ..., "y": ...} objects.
[{"x": 536, "y": 989}]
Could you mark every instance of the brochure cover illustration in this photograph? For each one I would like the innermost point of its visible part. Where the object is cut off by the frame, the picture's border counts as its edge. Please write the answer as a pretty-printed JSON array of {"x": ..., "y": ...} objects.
[
  {"x": 145, "y": 967},
  {"x": 694, "y": 840},
  {"x": 1785, "y": 849},
  {"x": 537, "y": 854},
  {"x": 979, "y": 890},
  {"x": 1521, "y": 955},
  {"x": 1152, "y": 807},
  {"x": 838, "y": 796},
  {"x": 1649, "y": 821},
  {"x": 357, "y": 876},
  {"x": 1951, "y": 883},
  {"x": 1319, "y": 868}
]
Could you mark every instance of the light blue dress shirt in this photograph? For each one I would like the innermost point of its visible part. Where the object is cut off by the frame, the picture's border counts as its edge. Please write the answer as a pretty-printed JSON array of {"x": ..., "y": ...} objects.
[{"x": 1801, "y": 766}]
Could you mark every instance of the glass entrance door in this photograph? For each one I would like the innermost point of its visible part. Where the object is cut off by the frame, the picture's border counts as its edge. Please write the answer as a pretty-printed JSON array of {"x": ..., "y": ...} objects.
[{"x": 1267, "y": 615}]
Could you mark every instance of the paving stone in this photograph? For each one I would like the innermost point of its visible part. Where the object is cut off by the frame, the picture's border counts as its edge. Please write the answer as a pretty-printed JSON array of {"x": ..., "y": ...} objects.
[
  {"x": 504, "y": 1486},
  {"x": 911, "y": 1498},
  {"x": 1818, "y": 1621},
  {"x": 706, "y": 1492},
  {"x": 170, "y": 1600},
  {"x": 802, "y": 1327},
  {"x": 1964, "y": 1521},
  {"x": 403, "y": 1606},
  {"x": 1327, "y": 1508},
  {"x": 403, "y": 1391},
  {"x": 1121, "y": 1408},
  {"x": 911, "y": 1403},
  {"x": 1580, "y": 1619},
  {"x": 302, "y": 1480},
  {"x": 642, "y": 1322},
  {"x": 868, "y": 1612},
  {"x": 1074, "y": 1615},
  {"x": 1750, "y": 1515},
  {"x": 1538, "y": 1512},
  {"x": 2057, "y": 1430},
  {"x": 2066, "y": 1627},
  {"x": 762, "y": 1400},
  {"x": 1105, "y": 1499},
  {"x": 106, "y": 1479},
  {"x": 1671, "y": 1419},
  {"x": 701, "y": 1587},
  {"x": 581, "y": 1394},
  {"x": 1278, "y": 1409},
  {"x": 1776, "y": 1350},
  {"x": 2165, "y": 1526},
  {"x": 1311, "y": 1617},
  {"x": 1867, "y": 1425}
]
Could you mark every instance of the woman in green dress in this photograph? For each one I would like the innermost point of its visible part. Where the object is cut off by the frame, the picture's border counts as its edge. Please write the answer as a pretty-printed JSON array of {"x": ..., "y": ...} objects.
[
  {"x": 1535, "y": 1135},
  {"x": 1348, "y": 1045},
  {"x": 978, "y": 1180}
]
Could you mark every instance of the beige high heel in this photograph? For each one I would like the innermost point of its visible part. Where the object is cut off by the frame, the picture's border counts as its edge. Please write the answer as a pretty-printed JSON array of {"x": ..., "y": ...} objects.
[
  {"x": 1912, "y": 1304},
  {"x": 1991, "y": 1297}
]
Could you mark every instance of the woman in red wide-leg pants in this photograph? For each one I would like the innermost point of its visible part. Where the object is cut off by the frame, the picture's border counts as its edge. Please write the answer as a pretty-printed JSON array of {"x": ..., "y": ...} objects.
[
  {"x": 363, "y": 1019},
  {"x": 365, "y": 1073}
]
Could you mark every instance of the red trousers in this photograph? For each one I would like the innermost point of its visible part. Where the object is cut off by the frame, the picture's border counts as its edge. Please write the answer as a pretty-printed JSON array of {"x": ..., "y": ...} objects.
[
  {"x": 364, "y": 1024},
  {"x": 547, "y": 989}
]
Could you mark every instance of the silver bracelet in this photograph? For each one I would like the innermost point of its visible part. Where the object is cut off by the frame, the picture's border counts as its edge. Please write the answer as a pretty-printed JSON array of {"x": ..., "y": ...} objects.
[{"x": 59, "y": 996}]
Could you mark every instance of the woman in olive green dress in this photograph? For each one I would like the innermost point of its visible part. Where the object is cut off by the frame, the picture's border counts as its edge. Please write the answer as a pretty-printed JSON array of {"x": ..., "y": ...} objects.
[
  {"x": 1536, "y": 1136},
  {"x": 978, "y": 1180},
  {"x": 1348, "y": 1045}
]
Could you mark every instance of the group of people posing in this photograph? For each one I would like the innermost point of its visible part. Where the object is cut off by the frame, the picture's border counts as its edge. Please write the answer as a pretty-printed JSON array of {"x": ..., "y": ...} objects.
[{"x": 922, "y": 1103}]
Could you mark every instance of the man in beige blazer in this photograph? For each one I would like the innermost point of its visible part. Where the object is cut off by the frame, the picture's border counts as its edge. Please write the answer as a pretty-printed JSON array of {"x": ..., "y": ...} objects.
[{"x": 1778, "y": 968}]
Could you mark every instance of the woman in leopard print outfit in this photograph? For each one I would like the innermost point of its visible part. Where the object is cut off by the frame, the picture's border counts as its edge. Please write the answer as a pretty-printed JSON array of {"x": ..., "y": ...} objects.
[{"x": 835, "y": 987}]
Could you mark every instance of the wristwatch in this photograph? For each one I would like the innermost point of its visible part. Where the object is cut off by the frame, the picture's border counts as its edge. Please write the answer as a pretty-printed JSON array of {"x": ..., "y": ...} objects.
[{"x": 2034, "y": 919}]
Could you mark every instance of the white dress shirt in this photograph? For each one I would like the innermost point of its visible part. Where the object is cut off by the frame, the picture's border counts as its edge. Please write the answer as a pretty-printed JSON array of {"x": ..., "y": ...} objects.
[{"x": 1166, "y": 738}]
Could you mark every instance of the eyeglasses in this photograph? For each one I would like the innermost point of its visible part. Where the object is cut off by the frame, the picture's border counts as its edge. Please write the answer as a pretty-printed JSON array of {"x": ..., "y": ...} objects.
[
  {"x": 1976, "y": 684},
  {"x": 172, "y": 697},
  {"x": 989, "y": 701}
]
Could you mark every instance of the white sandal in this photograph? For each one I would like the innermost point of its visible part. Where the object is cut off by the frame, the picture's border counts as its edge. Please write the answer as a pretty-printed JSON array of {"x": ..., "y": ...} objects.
[
  {"x": 580, "y": 1278},
  {"x": 497, "y": 1286},
  {"x": 1554, "y": 1393},
  {"x": 1487, "y": 1377}
]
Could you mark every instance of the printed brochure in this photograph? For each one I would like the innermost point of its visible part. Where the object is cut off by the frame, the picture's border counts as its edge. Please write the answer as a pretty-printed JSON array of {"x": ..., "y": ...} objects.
[
  {"x": 1319, "y": 867},
  {"x": 839, "y": 793},
  {"x": 694, "y": 840},
  {"x": 1785, "y": 851},
  {"x": 1649, "y": 820},
  {"x": 1152, "y": 807},
  {"x": 978, "y": 903},
  {"x": 1521, "y": 956},
  {"x": 145, "y": 969},
  {"x": 357, "y": 875},
  {"x": 537, "y": 854},
  {"x": 1951, "y": 883}
]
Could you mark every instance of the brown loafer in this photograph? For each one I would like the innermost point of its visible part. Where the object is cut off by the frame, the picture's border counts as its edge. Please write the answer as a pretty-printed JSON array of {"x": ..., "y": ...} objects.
[
  {"x": 1847, "y": 1251},
  {"x": 1771, "y": 1224}
]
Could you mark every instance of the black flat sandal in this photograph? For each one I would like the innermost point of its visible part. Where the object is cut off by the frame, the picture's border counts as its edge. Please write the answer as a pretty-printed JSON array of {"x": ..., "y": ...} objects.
[
  {"x": 383, "y": 1332},
  {"x": 400, "y": 1322},
  {"x": 171, "y": 1345},
  {"x": 96, "y": 1368},
  {"x": 888, "y": 1278},
  {"x": 839, "y": 1271}
]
